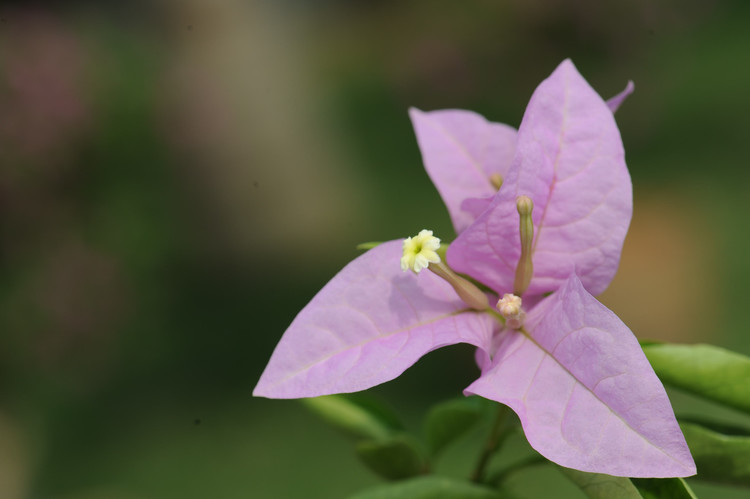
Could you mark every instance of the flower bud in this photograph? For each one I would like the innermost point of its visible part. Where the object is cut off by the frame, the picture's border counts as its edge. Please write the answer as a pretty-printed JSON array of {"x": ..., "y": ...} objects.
[
  {"x": 496, "y": 180},
  {"x": 509, "y": 307},
  {"x": 525, "y": 267}
]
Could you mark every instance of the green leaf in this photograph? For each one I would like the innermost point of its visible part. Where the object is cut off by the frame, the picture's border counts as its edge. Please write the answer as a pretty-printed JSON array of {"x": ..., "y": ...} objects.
[
  {"x": 357, "y": 415},
  {"x": 599, "y": 486},
  {"x": 723, "y": 428},
  {"x": 429, "y": 487},
  {"x": 450, "y": 420},
  {"x": 663, "y": 488},
  {"x": 394, "y": 458},
  {"x": 720, "y": 458},
  {"x": 708, "y": 371}
]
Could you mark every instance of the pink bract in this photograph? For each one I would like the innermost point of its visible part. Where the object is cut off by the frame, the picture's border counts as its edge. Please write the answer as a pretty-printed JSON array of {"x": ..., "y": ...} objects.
[
  {"x": 368, "y": 325},
  {"x": 460, "y": 150},
  {"x": 585, "y": 394},
  {"x": 571, "y": 163}
]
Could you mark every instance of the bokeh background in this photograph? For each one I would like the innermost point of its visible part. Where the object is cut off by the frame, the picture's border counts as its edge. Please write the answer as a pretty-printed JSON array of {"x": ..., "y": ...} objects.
[{"x": 179, "y": 177}]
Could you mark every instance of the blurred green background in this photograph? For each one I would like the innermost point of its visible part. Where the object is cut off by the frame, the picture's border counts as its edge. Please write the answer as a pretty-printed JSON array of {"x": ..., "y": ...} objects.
[{"x": 178, "y": 179}]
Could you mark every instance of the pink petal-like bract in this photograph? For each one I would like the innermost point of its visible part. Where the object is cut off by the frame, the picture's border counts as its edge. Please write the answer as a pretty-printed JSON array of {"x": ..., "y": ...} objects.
[
  {"x": 615, "y": 102},
  {"x": 367, "y": 326},
  {"x": 570, "y": 161},
  {"x": 460, "y": 150},
  {"x": 584, "y": 391}
]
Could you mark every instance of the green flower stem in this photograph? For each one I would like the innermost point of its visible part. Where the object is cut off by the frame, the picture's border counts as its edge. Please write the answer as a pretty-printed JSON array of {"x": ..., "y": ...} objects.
[
  {"x": 470, "y": 294},
  {"x": 498, "y": 434},
  {"x": 493, "y": 312}
]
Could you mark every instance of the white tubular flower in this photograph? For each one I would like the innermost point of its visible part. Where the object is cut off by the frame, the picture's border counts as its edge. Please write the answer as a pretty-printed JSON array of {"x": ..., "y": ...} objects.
[
  {"x": 420, "y": 251},
  {"x": 509, "y": 307}
]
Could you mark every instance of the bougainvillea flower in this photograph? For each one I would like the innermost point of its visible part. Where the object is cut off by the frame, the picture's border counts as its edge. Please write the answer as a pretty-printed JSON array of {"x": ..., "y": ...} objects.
[{"x": 576, "y": 376}]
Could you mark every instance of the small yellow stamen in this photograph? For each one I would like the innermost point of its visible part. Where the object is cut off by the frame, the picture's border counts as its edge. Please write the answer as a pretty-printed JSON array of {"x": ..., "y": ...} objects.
[{"x": 420, "y": 251}]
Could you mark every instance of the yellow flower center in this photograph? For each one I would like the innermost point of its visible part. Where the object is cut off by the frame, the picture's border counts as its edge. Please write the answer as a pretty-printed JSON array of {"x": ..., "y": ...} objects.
[{"x": 420, "y": 251}]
